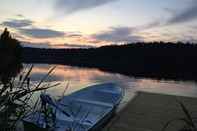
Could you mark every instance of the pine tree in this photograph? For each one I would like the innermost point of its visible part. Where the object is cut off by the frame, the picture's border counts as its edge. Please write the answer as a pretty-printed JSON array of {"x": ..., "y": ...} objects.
[
  {"x": 10, "y": 55},
  {"x": 9, "y": 44}
]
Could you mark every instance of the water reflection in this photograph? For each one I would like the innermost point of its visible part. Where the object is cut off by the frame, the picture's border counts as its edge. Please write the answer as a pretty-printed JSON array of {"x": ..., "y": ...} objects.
[
  {"x": 79, "y": 78},
  {"x": 182, "y": 88}
]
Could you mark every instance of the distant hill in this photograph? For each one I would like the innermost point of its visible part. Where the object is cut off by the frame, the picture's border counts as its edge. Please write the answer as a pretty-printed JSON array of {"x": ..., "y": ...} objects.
[{"x": 156, "y": 60}]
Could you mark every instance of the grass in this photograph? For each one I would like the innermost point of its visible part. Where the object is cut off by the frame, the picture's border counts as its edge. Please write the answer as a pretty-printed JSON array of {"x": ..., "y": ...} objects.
[{"x": 16, "y": 97}]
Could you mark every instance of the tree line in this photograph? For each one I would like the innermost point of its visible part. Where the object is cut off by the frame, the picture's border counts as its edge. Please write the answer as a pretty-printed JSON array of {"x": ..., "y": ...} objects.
[{"x": 155, "y": 59}]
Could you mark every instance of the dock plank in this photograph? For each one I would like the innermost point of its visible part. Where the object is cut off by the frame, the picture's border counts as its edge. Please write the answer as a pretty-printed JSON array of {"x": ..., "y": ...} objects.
[{"x": 150, "y": 112}]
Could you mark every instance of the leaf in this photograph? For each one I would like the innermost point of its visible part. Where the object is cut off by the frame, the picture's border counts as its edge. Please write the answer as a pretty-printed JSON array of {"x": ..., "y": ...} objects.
[
  {"x": 187, "y": 114},
  {"x": 44, "y": 78}
]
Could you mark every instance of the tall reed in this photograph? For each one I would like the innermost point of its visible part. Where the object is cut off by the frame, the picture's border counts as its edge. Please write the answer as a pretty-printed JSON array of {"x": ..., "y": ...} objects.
[{"x": 16, "y": 98}]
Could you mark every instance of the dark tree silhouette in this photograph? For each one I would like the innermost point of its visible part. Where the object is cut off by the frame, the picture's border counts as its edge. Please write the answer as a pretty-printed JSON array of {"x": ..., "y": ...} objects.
[
  {"x": 9, "y": 44},
  {"x": 158, "y": 60},
  {"x": 10, "y": 56}
]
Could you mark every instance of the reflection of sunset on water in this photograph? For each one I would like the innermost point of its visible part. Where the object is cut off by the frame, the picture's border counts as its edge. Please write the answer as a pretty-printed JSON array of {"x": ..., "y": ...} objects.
[
  {"x": 70, "y": 73},
  {"x": 78, "y": 78},
  {"x": 186, "y": 88}
]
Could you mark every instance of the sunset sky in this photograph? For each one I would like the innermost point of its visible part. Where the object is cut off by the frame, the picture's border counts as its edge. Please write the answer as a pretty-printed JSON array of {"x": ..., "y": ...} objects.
[{"x": 84, "y": 23}]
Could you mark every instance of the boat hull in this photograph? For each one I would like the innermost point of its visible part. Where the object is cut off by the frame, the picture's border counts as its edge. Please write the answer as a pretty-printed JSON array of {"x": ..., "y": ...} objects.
[{"x": 87, "y": 110}]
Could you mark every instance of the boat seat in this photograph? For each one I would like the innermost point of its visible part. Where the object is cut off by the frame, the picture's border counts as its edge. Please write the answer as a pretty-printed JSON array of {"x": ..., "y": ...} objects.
[
  {"x": 108, "y": 91},
  {"x": 95, "y": 102}
]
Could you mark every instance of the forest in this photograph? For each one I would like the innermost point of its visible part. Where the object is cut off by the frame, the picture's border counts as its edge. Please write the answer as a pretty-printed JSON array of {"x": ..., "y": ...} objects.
[{"x": 159, "y": 60}]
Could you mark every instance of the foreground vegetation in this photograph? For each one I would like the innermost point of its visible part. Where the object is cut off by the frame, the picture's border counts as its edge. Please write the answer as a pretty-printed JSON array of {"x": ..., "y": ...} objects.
[
  {"x": 16, "y": 89},
  {"x": 16, "y": 99}
]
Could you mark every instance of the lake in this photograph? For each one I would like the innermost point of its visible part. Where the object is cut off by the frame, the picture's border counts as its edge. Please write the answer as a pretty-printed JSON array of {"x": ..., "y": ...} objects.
[{"x": 77, "y": 78}]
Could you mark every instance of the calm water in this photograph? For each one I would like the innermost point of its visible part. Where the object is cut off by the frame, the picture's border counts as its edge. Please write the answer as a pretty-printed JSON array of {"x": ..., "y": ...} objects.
[{"x": 79, "y": 78}]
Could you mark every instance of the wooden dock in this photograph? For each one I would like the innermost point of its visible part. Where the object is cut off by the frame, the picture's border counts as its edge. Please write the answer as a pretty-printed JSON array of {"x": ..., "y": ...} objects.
[{"x": 150, "y": 112}]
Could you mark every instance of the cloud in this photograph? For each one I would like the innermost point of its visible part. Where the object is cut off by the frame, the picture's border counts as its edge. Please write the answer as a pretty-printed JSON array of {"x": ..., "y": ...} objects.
[
  {"x": 73, "y": 46},
  {"x": 73, "y": 35},
  {"x": 186, "y": 15},
  {"x": 20, "y": 15},
  {"x": 72, "y": 6},
  {"x": 170, "y": 11},
  {"x": 153, "y": 24},
  {"x": 118, "y": 34},
  {"x": 15, "y": 23},
  {"x": 48, "y": 45},
  {"x": 26, "y": 27},
  {"x": 36, "y": 45},
  {"x": 125, "y": 34},
  {"x": 41, "y": 33}
]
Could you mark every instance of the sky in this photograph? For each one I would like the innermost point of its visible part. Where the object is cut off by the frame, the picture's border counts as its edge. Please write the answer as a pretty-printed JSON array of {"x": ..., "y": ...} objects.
[{"x": 94, "y": 23}]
